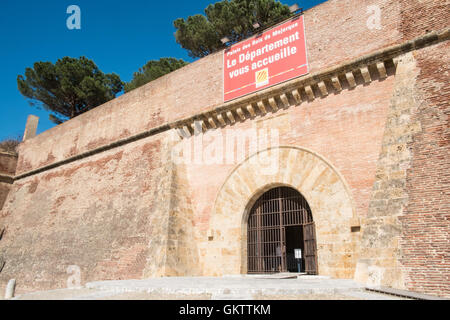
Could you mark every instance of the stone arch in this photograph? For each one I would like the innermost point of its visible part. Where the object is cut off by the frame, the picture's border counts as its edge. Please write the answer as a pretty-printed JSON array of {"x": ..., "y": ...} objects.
[{"x": 310, "y": 174}]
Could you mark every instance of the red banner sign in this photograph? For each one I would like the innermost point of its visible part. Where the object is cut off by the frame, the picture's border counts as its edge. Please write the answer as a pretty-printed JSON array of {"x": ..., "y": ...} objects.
[{"x": 276, "y": 55}]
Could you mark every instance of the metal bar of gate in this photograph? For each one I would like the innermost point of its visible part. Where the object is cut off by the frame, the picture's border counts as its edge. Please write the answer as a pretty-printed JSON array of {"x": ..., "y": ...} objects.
[{"x": 272, "y": 212}]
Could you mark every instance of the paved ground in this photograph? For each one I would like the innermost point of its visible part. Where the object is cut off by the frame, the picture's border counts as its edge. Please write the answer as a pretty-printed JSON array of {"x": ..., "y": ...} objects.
[{"x": 220, "y": 288}]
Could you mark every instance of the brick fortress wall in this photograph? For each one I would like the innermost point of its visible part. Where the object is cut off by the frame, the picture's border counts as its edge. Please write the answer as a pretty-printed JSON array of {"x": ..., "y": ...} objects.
[{"x": 129, "y": 212}]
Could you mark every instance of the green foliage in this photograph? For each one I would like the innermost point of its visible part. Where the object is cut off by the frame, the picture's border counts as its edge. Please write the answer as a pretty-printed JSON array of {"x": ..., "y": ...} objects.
[
  {"x": 201, "y": 35},
  {"x": 153, "y": 70},
  {"x": 69, "y": 87}
]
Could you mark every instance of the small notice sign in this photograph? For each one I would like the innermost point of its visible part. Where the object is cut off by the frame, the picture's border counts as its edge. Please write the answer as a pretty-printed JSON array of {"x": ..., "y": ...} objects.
[{"x": 298, "y": 253}]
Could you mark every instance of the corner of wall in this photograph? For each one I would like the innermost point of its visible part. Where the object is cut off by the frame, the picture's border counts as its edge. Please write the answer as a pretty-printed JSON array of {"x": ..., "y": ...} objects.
[{"x": 379, "y": 262}]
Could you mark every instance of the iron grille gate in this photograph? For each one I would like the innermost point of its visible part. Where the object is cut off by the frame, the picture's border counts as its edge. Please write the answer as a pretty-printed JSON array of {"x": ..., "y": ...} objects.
[{"x": 273, "y": 212}]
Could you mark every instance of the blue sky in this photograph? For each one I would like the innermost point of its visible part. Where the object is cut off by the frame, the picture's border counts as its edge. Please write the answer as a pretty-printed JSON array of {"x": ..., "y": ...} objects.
[{"x": 119, "y": 36}]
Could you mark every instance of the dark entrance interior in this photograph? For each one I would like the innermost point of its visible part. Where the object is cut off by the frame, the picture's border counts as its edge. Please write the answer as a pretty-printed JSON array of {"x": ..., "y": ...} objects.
[
  {"x": 294, "y": 240},
  {"x": 280, "y": 222}
]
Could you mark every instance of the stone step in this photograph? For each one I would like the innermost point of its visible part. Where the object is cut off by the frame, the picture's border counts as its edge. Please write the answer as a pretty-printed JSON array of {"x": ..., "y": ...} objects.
[{"x": 404, "y": 293}]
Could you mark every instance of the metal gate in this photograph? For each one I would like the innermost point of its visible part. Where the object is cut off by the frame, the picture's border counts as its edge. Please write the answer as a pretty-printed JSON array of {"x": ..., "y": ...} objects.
[{"x": 275, "y": 210}]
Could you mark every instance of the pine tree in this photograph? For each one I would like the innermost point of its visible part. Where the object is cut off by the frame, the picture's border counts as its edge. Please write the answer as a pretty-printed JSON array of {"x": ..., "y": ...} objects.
[
  {"x": 69, "y": 87},
  {"x": 234, "y": 19},
  {"x": 153, "y": 70}
]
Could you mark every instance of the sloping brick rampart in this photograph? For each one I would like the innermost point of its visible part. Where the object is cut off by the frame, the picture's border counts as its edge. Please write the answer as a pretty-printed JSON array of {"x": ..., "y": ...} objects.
[{"x": 425, "y": 238}]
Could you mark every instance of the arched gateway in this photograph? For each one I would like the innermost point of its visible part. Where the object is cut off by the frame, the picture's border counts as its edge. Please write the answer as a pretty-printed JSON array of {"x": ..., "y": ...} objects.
[
  {"x": 281, "y": 229},
  {"x": 307, "y": 176}
]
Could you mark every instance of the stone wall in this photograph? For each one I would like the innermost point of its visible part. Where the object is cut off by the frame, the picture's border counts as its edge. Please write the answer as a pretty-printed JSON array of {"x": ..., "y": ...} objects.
[
  {"x": 131, "y": 212},
  {"x": 8, "y": 164},
  {"x": 405, "y": 241},
  {"x": 370, "y": 156},
  {"x": 100, "y": 214}
]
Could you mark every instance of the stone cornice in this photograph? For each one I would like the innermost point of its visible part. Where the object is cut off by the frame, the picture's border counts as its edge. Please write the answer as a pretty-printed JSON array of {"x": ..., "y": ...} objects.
[{"x": 376, "y": 65}]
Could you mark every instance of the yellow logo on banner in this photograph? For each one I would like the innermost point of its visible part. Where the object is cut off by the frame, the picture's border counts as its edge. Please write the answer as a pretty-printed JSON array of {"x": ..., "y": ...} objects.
[{"x": 262, "y": 77}]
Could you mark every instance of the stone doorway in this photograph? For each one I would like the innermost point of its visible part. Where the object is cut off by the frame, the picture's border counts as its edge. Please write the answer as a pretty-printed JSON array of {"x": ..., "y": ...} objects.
[
  {"x": 307, "y": 172},
  {"x": 279, "y": 223}
]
